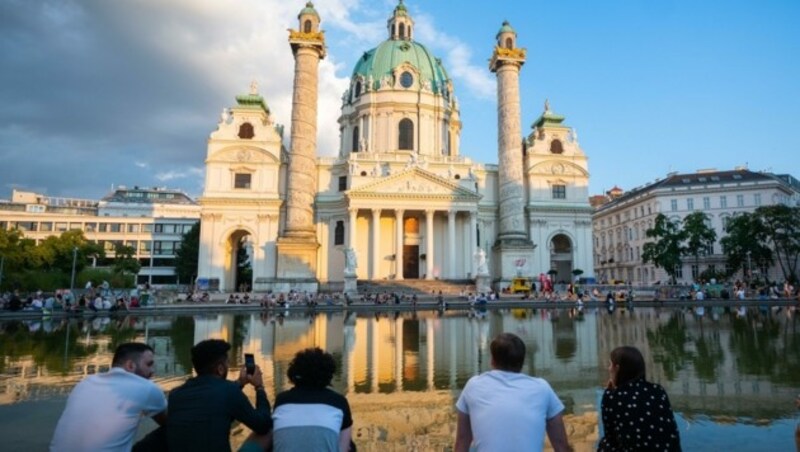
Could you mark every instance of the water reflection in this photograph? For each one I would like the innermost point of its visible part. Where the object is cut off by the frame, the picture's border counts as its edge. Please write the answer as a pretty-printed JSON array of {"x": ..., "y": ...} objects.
[{"x": 718, "y": 365}]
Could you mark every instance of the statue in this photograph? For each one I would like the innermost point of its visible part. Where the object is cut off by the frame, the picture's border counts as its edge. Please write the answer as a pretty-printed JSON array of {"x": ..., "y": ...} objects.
[
  {"x": 547, "y": 105},
  {"x": 254, "y": 88},
  {"x": 574, "y": 136},
  {"x": 370, "y": 83},
  {"x": 481, "y": 267},
  {"x": 350, "y": 261},
  {"x": 223, "y": 117},
  {"x": 362, "y": 144}
]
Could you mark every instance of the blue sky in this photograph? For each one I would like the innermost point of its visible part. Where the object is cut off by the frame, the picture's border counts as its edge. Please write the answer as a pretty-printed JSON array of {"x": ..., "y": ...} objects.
[{"x": 98, "y": 93}]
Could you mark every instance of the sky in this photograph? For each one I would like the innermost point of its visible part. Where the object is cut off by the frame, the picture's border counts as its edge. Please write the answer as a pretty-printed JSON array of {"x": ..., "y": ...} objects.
[{"x": 99, "y": 93}]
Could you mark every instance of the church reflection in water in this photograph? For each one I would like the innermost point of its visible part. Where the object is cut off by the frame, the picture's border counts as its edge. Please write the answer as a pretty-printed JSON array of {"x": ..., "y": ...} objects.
[{"x": 403, "y": 370}]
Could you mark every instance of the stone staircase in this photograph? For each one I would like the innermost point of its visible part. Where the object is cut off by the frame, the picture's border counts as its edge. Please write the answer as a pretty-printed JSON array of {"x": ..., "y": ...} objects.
[{"x": 418, "y": 286}]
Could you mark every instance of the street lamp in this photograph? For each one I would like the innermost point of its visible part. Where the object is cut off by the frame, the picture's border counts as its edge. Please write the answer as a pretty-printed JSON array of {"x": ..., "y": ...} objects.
[
  {"x": 2, "y": 263},
  {"x": 74, "y": 260},
  {"x": 749, "y": 267}
]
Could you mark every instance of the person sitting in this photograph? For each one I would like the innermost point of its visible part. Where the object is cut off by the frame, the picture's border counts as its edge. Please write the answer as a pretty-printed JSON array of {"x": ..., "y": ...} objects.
[
  {"x": 202, "y": 409},
  {"x": 103, "y": 411},
  {"x": 311, "y": 416},
  {"x": 630, "y": 396}
]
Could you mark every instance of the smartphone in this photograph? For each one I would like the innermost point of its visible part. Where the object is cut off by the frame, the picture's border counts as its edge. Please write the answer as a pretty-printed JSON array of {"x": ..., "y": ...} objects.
[{"x": 249, "y": 363}]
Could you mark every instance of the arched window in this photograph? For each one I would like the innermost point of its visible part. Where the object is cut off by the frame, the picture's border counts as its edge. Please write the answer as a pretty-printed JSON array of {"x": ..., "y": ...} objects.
[
  {"x": 556, "y": 147},
  {"x": 354, "y": 147},
  {"x": 394, "y": 30},
  {"x": 338, "y": 234},
  {"x": 406, "y": 135},
  {"x": 246, "y": 131},
  {"x": 509, "y": 43},
  {"x": 307, "y": 27},
  {"x": 357, "y": 91},
  {"x": 402, "y": 31}
]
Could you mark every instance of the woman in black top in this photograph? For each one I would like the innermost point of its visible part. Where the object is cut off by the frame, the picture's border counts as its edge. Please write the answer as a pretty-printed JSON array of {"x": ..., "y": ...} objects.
[{"x": 636, "y": 413}]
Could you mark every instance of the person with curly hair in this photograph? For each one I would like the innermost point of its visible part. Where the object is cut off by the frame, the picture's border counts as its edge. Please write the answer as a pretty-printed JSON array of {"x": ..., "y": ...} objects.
[{"x": 311, "y": 416}]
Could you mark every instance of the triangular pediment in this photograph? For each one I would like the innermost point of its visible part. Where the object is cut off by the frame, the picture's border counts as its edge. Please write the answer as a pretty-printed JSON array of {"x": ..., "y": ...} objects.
[{"x": 414, "y": 183}]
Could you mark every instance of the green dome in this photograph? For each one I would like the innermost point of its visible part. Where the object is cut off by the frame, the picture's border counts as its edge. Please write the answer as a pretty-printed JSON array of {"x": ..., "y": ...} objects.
[
  {"x": 506, "y": 28},
  {"x": 309, "y": 9},
  {"x": 380, "y": 61}
]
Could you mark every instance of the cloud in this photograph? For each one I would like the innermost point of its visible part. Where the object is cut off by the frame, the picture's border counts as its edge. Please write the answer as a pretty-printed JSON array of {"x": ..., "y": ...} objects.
[{"x": 458, "y": 60}]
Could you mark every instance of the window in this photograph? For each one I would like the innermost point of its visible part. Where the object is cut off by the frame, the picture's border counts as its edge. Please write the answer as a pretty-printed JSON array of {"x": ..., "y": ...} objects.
[
  {"x": 242, "y": 180},
  {"x": 246, "y": 131},
  {"x": 89, "y": 227},
  {"x": 26, "y": 225},
  {"x": 559, "y": 192},
  {"x": 757, "y": 199},
  {"x": 706, "y": 202},
  {"x": 556, "y": 147},
  {"x": 354, "y": 146},
  {"x": 723, "y": 202},
  {"x": 307, "y": 26},
  {"x": 144, "y": 247},
  {"x": 103, "y": 227},
  {"x": 695, "y": 271},
  {"x": 679, "y": 272},
  {"x": 406, "y": 79},
  {"x": 342, "y": 183},
  {"x": 406, "y": 136},
  {"x": 115, "y": 227},
  {"x": 357, "y": 90},
  {"x": 165, "y": 228},
  {"x": 509, "y": 43},
  {"x": 148, "y": 227},
  {"x": 740, "y": 200},
  {"x": 45, "y": 226},
  {"x": 690, "y": 204},
  {"x": 133, "y": 228},
  {"x": 674, "y": 205},
  {"x": 61, "y": 227},
  {"x": 338, "y": 233}
]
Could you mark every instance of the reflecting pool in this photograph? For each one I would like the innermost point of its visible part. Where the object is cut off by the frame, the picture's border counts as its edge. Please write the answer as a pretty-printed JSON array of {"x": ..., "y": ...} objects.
[{"x": 732, "y": 375}]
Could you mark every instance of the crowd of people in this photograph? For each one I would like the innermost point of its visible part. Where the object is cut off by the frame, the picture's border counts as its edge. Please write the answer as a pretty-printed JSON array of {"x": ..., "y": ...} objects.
[
  {"x": 65, "y": 300},
  {"x": 501, "y": 409}
]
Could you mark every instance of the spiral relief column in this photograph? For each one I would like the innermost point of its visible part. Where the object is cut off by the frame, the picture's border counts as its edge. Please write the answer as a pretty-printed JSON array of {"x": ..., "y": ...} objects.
[
  {"x": 513, "y": 248},
  {"x": 297, "y": 246}
]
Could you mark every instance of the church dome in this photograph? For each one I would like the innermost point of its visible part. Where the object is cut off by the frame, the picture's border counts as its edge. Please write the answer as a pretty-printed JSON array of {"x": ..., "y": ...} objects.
[{"x": 382, "y": 60}]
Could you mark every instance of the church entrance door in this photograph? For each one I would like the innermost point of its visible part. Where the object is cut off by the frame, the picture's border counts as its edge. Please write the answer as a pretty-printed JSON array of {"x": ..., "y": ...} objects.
[{"x": 411, "y": 261}]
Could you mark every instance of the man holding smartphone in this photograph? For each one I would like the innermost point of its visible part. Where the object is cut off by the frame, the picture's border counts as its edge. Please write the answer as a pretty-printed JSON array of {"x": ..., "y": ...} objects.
[{"x": 202, "y": 409}]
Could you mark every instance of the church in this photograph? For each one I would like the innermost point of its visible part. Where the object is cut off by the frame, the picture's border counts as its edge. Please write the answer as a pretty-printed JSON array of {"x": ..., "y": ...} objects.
[{"x": 399, "y": 201}]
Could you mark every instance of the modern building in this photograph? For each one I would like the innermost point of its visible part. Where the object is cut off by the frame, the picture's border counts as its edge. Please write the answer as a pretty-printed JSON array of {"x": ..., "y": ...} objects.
[
  {"x": 619, "y": 225},
  {"x": 150, "y": 220},
  {"x": 400, "y": 197}
]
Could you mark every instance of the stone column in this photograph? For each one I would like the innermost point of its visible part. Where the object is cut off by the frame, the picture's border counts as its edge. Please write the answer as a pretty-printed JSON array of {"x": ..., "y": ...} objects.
[
  {"x": 509, "y": 145},
  {"x": 429, "y": 244},
  {"x": 451, "y": 243},
  {"x": 376, "y": 243},
  {"x": 473, "y": 239},
  {"x": 351, "y": 228},
  {"x": 398, "y": 256},
  {"x": 301, "y": 185},
  {"x": 513, "y": 243}
]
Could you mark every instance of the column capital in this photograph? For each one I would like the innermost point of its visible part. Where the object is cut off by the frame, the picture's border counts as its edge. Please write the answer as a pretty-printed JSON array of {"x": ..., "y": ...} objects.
[
  {"x": 376, "y": 212},
  {"x": 451, "y": 213},
  {"x": 399, "y": 213},
  {"x": 429, "y": 212}
]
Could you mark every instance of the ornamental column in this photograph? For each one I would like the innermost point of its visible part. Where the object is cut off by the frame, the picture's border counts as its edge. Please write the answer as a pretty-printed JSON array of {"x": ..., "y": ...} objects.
[
  {"x": 473, "y": 239},
  {"x": 451, "y": 243},
  {"x": 351, "y": 228},
  {"x": 513, "y": 244},
  {"x": 376, "y": 243},
  {"x": 398, "y": 256},
  {"x": 297, "y": 247},
  {"x": 429, "y": 244}
]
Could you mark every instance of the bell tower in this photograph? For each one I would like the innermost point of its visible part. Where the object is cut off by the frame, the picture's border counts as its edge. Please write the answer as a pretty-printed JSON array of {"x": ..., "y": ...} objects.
[{"x": 401, "y": 26}]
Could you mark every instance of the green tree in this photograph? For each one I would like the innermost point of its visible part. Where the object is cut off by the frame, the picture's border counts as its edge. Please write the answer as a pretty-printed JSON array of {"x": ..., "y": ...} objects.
[
  {"x": 124, "y": 262},
  {"x": 187, "y": 255},
  {"x": 699, "y": 237},
  {"x": 55, "y": 253},
  {"x": 745, "y": 237},
  {"x": 782, "y": 226},
  {"x": 16, "y": 251},
  {"x": 665, "y": 251}
]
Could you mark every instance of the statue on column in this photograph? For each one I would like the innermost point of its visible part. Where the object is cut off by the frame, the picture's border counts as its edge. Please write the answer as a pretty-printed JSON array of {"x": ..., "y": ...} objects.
[
  {"x": 350, "y": 261},
  {"x": 481, "y": 267}
]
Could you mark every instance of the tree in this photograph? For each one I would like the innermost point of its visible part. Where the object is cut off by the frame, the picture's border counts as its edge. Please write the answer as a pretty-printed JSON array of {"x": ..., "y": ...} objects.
[
  {"x": 186, "y": 256},
  {"x": 782, "y": 229},
  {"x": 55, "y": 253},
  {"x": 665, "y": 252},
  {"x": 124, "y": 262},
  {"x": 698, "y": 235},
  {"x": 746, "y": 237}
]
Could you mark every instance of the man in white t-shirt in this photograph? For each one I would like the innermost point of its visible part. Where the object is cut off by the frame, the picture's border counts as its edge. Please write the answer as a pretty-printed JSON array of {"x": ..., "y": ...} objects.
[
  {"x": 103, "y": 410},
  {"x": 504, "y": 409}
]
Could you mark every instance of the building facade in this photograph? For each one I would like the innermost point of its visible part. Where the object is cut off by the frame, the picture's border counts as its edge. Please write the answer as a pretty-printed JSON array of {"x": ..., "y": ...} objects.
[
  {"x": 399, "y": 198},
  {"x": 621, "y": 223},
  {"x": 149, "y": 220}
]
